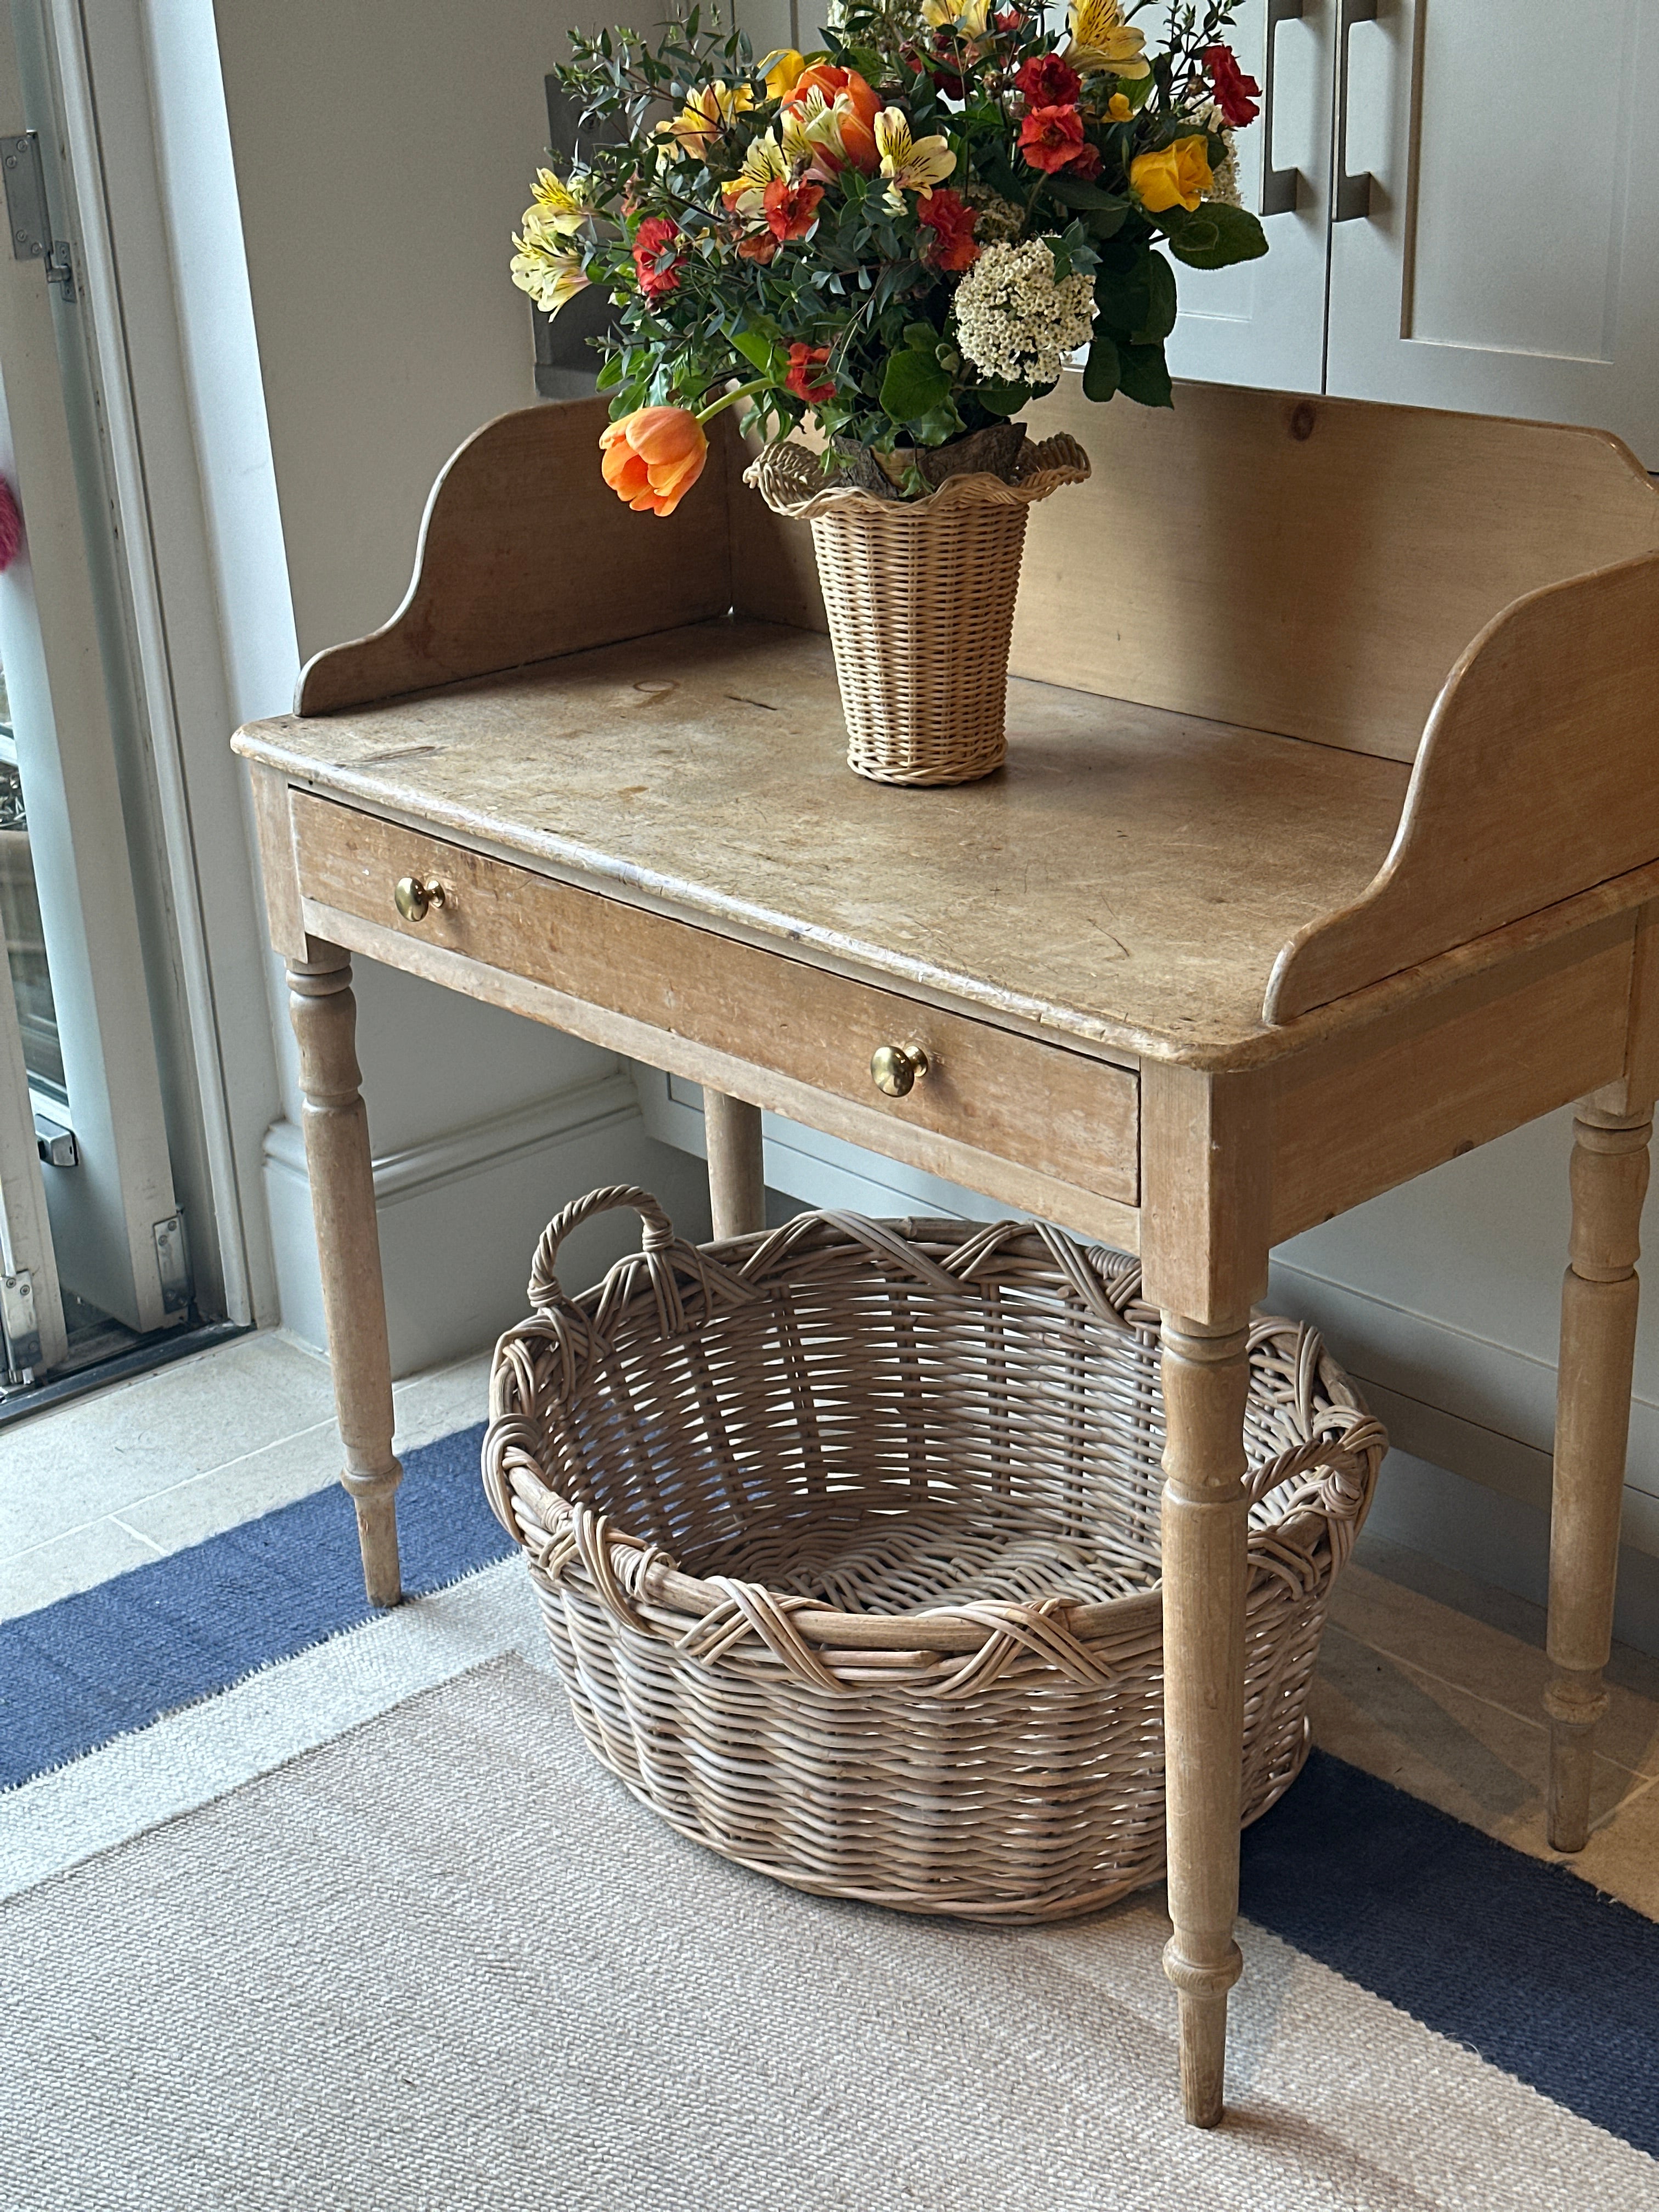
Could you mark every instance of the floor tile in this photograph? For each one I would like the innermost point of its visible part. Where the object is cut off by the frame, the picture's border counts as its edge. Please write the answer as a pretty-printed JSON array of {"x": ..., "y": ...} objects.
[
  {"x": 74, "y": 1463},
  {"x": 1421, "y": 1632},
  {"x": 68, "y": 1565},
  {"x": 1479, "y": 1762},
  {"x": 426, "y": 1407}
]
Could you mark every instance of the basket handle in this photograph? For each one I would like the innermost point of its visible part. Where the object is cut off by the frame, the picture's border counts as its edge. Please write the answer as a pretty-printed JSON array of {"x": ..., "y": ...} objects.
[{"x": 545, "y": 1289}]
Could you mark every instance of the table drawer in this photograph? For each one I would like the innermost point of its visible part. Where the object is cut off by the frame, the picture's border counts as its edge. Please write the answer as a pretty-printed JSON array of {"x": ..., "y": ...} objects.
[{"x": 1059, "y": 1113}]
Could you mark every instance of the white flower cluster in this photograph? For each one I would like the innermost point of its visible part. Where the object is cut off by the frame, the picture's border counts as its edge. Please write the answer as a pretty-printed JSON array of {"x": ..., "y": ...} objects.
[{"x": 1015, "y": 323}]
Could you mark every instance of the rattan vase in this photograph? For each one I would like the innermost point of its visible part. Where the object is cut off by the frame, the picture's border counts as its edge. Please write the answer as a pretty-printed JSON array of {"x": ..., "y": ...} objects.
[
  {"x": 846, "y": 1539},
  {"x": 920, "y": 599}
]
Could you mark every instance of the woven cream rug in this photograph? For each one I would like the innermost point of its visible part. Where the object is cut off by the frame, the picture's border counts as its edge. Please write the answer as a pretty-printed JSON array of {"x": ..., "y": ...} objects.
[{"x": 439, "y": 1961}]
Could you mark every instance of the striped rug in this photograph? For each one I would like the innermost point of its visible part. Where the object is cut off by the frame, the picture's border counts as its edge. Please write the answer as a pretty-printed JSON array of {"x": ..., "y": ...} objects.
[{"x": 306, "y": 1907}]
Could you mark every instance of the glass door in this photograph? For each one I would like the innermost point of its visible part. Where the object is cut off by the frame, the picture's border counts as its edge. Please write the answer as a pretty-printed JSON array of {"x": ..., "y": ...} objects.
[{"x": 90, "y": 1218}]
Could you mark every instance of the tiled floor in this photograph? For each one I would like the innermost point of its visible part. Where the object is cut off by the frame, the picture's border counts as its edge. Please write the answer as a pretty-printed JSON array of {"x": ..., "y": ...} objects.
[
  {"x": 145, "y": 1467},
  {"x": 1428, "y": 1679}
]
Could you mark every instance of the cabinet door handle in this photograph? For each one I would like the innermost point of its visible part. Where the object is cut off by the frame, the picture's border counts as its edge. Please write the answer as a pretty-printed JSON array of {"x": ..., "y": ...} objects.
[
  {"x": 1353, "y": 194},
  {"x": 1280, "y": 187}
]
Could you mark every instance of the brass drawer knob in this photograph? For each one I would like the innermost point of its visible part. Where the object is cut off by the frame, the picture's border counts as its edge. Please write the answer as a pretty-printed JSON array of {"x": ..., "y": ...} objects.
[
  {"x": 415, "y": 894},
  {"x": 898, "y": 1068}
]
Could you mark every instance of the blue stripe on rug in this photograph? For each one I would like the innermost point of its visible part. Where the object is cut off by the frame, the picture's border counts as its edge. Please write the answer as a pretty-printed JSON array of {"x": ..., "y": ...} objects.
[
  {"x": 1517, "y": 1959},
  {"x": 78, "y": 1674}
]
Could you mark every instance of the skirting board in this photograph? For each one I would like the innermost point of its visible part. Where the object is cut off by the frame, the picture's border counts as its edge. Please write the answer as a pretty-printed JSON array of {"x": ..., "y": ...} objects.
[
  {"x": 459, "y": 1216},
  {"x": 1454, "y": 1489}
]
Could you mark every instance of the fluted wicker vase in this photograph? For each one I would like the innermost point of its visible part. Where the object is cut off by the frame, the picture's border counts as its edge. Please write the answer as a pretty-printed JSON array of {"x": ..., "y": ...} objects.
[
  {"x": 920, "y": 599},
  {"x": 847, "y": 1540}
]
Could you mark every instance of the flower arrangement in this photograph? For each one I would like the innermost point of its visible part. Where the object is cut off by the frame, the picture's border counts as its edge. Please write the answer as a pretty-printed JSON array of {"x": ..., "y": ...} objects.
[{"x": 901, "y": 236}]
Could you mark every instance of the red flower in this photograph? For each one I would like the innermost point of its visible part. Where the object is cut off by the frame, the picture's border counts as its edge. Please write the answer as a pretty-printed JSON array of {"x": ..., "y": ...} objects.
[
  {"x": 1236, "y": 95},
  {"x": 1085, "y": 164},
  {"x": 760, "y": 246},
  {"x": 1048, "y": 81},
  {"x": 651, "y": 240},
  {"x": 951, "y": 221},
  {"x": 803, "y": 361},
  {"x": 1051, "y": 138},
  {"x": 792, "y": 209},
  {"x": 1009, "y": 20}
]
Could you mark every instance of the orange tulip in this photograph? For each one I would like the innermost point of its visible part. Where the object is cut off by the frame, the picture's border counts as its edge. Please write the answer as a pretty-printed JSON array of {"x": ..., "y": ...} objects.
[{"x": 653, "y": 457}]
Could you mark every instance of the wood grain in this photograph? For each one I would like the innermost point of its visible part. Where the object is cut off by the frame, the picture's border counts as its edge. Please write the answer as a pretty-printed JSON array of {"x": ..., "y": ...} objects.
[
  {"x": 341, "y": 1174},
  {"x": 1310, "y": 566},
  {"x": 1599, "y": 1299},
  {"x": 1375, "y": 1107},
  {"x": 526, "y": 552},
  {"x": 1124, "y": 884},
  {"x": 1068, "y": 1117},
  {"x": 1539, "y": 777}
]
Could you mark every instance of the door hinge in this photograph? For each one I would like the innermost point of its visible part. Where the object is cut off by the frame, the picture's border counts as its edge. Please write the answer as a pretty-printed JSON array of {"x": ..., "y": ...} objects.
[
  {"x": 172, "y": 1264},
  {"x": 20, "y": 1324},
  {"x": 27, "y": 215}
]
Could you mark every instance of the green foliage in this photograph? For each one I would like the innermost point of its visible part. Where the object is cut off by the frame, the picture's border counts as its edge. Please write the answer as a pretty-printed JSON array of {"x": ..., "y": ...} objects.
[
  {"x": 1215, "y": 236},
  {"x": 841, "y": 286}
]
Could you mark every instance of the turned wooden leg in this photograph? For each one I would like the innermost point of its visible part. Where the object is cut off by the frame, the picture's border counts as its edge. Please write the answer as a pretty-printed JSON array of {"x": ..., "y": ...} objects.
[
  {"x": 325, "y": 1016},
  {"x": 1206, "y": 1378},
  {"x": 737, "y": 1181},
  {"x": 1592, "y": 1430}
]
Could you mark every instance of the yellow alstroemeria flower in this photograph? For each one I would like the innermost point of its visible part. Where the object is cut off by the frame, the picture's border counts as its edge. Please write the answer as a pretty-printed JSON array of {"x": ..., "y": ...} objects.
[
  {"x": 706, "y": 115},
  {"x": 966, "y": 18},
  {"x": 543, "y": 267},
  {"x": 764, "y": 163},
  {"x": 781, "y": 70},
  {"x": 913, "y": 165},
  {"x": 560, "y": 206},
  {"x": 1102, "y": 44},
  {"x": 1175, "y": 176}
]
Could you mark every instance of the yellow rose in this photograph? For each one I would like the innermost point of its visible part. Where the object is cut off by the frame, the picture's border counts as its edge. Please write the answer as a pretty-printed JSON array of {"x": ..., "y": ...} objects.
[
  {"x": 1175, "y": 176},
  {"x": 1119, "y": 108}
]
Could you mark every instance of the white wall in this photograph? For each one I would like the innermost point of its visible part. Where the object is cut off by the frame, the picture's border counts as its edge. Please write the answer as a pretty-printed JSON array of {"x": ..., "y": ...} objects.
[{"x": 381, "y": 157}]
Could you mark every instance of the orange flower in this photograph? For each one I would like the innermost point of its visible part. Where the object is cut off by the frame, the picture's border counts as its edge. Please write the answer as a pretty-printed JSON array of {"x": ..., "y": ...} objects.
[
  {"x": 792, "y": 209},
  {"x": 654, "y": 457},
  {"x": 855, "y": 106}
]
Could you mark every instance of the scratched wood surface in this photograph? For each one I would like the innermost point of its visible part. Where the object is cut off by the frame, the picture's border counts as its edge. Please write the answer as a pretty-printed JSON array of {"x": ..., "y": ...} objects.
[{"x": 1128, "y": 879}]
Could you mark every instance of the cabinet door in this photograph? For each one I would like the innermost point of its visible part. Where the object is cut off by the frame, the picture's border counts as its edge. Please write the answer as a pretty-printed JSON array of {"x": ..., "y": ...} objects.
[
  {"x": 1263, "y": 322},
  {"x": 1506, "y": 258}
]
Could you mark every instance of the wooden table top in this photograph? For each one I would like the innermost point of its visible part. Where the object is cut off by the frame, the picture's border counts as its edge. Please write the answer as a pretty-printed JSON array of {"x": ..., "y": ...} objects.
[{"x": 1127, "y": 879}]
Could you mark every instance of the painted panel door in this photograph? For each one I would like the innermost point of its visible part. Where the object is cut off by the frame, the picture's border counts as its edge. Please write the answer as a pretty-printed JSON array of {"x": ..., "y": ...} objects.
[
  {"x": 1263, "y": 322},
  {"x": 1505, "y": 257}
]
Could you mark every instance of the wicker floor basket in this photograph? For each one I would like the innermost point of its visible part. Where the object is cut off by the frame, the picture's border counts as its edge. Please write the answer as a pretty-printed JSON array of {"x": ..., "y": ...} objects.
[
  {"x": 847, "y": 1541},
  {"x": 920, "y": 601}
]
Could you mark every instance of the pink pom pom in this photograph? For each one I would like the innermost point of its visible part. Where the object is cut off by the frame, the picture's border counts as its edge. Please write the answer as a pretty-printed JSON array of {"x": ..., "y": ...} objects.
[{"x": 11, "y": 525}]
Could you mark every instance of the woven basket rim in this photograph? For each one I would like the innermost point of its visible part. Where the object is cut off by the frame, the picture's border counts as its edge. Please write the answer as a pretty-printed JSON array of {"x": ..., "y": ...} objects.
[
  {"x": 1341, "y": 1449},
  {"x": 790, "y": 480}
]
